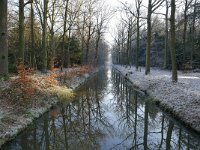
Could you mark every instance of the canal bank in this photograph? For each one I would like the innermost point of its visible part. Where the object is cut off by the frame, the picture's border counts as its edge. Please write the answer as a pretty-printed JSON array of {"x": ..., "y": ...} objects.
[
  {"x": 106, "y": 113},
  {"x": 18, "y": 109},
  {"x": 181, "y": 99}
]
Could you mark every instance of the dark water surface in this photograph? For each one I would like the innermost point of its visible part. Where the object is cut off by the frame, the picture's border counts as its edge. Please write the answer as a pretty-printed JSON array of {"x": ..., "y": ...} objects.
[{"x": 107, "y": 114}]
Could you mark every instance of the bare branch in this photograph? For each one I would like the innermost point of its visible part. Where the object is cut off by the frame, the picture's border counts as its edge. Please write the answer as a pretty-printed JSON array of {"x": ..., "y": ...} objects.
[
  {"x": 157, "y": 5},
  {"x": 30, "y": 1}
]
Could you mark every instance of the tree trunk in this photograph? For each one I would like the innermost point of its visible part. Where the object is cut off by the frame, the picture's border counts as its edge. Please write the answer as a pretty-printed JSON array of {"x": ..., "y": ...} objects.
[
  {"x": 193, "y": 31},
  {"x": 3, "y": 38},
  {"x": 137, "y": 43},
  {"x": 33, "y": 59},
  {"x": 44, "y": 36},
  {"x": 166, "y": 52},
  {"x": 173, "y": 50},
  {"x": 185, "y": 29},
  {"x": 97, "y": 47},
  {"x": 82, "y": 41},
  {"x": 128, "y": 46},
  {"x": 148, "y": 49},
  {"x": 21, "y": 32},
  {"x": 68, "y": 48},
  {"x": 64, "y": 62},
  {"x": 131, "y": 51},
  {"x": 138, "y": 5},
  {"x": 88, "y": 43},
  {"x": 52, "y": 42}
]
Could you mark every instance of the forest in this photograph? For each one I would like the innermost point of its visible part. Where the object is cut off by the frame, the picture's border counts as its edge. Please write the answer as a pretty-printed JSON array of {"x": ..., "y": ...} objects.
[
  {"x": 53, "y": 33},
  {"x": 53, "y": 55},
  {"x": 163, "y": 34}
]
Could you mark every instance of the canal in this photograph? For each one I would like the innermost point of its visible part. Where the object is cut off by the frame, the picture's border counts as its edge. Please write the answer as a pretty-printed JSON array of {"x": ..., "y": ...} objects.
[{"x": 107, "y": 113}]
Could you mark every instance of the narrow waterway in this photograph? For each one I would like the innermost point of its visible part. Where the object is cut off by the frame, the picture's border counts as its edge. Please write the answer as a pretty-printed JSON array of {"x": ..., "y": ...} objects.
[{"x": 107, "y": 114}]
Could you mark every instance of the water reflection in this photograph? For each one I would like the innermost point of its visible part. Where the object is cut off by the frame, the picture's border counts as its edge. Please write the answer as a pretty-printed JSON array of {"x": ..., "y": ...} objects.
[{"x": 107, "y": 114}]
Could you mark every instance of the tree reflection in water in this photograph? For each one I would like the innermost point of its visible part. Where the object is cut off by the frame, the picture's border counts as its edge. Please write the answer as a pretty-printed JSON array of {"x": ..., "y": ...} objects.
[{"x": 107, "y": 113}]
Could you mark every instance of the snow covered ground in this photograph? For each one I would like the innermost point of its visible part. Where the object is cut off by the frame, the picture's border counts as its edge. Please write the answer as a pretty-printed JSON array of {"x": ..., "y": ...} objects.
[{"x": 181, "y": 98}]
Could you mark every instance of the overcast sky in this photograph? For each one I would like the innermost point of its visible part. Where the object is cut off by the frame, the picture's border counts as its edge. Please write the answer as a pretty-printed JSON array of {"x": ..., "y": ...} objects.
[{"x": 114, "y": 4}]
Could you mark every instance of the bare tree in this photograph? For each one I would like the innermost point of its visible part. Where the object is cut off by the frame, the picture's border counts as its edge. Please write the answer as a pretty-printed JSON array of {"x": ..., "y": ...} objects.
[
  {"x": 3, "y": 38},
  {"x": 44, "y": 35},
  {"x": 172, "y": 42},
  {"x": 65, "y": 58},
  {"x": 53, "y": 17},
  {"x": 21, "y": 30},
  {"x": 186, "y": 7},
  {"x": 137, "y": 15},
  {"x": 102, "y": 17},
  {"x": 130, "y": 50},
  {"x": 152, "y": 6},
  {"x": 33, "y": 59},
  {"x": 193, "y": 31},
  {"x": 138, "y": 6},
  {"x": 88, "y": 28},
  {"x": 166, "y": 52},
  {"x": 42, "y": 11}
]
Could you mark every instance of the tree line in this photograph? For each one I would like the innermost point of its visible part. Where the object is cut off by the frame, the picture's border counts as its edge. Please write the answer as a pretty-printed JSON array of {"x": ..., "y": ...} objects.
[
  {"x": 147, "y": 36},
  {"x": 43, "y": 34}
]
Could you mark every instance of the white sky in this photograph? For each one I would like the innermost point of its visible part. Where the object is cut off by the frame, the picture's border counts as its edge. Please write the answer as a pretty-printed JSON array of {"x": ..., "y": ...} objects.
[{"x": 114, "y": 4}]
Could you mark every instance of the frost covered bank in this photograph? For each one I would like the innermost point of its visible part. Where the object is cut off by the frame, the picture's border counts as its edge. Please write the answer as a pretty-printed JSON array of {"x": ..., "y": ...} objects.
[
  {"x": 19, "y": 105},
  {"x": 182, "y": 98}
]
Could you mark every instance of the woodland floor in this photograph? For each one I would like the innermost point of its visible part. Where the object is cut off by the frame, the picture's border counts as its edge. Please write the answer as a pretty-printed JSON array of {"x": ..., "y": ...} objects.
[
  {"x": 28, "y": 95},
  {"x": 182, "y": 99}
]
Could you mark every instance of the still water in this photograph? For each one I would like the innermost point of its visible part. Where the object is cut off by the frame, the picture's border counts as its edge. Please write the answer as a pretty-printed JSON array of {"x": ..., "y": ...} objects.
[{"x": 107, "y": 114}]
